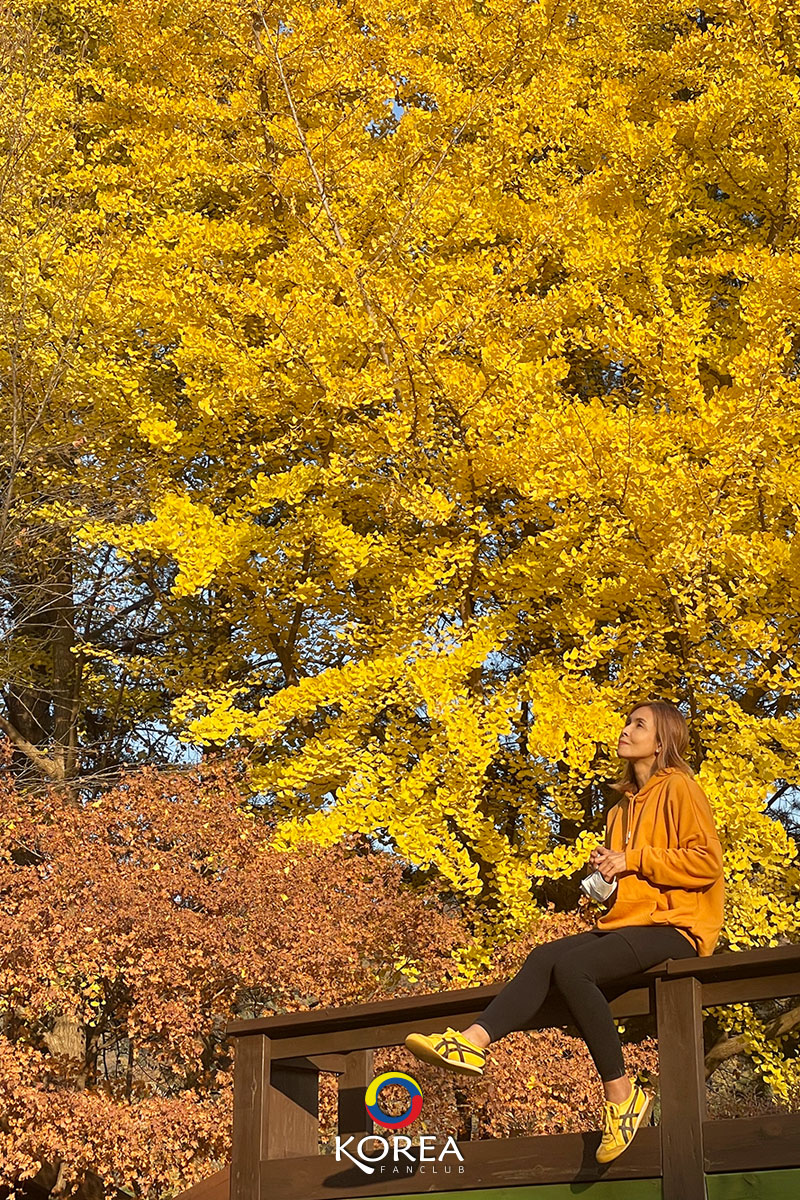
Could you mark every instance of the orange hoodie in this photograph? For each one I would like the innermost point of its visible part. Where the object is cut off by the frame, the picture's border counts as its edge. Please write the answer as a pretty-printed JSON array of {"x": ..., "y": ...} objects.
[{"x": 673, "y": 860}]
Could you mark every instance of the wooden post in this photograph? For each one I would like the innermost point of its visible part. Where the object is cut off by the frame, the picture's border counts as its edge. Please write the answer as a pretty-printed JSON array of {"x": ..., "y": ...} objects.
[
  {"x": 275, "y": 1113},
  {"x": 250, "y": 1115},
  {"x": 679, "y": 1018},
  {"x": 353, "y": 1082}
]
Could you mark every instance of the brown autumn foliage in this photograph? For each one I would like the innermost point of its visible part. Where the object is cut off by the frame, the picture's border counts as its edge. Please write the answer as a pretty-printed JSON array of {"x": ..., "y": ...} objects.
[
  {"x": 143, "y": 920},
  {"x": 135, "y": 924}
]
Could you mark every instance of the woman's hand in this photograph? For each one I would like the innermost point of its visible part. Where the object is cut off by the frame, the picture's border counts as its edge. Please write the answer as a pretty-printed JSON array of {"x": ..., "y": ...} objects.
[{"x": 609, "y": 863}]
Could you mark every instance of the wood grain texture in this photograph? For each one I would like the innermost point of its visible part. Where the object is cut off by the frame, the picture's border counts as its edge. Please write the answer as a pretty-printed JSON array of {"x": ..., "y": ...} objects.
[
  {"x": 753, "y": 1143},
  {"x": 514, "y": 1162},
  {"x": 250, "y": 1115},
  {"x": 353, "y": 1115},
  {"x": 682, "y": 1087}
]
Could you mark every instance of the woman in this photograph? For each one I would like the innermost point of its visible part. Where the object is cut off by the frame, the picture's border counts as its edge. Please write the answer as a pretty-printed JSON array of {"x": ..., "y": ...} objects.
[{"x": 662, "y": 849}]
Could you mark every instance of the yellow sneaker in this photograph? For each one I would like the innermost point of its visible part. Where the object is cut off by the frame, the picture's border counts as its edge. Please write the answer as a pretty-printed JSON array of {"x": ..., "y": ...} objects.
[
  {"x": 620, "y": 1122},
  {"x": 449, "y": 1049}
]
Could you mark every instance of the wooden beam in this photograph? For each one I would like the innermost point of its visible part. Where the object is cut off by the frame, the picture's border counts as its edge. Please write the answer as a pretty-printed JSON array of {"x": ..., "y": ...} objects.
[
  {"x": 741, "y": 991},
  {"x": 679, "y": 1019},
  {"x": 632, "y": 1002},
  {"x": 753, "y": 1143},
  {"x": 215, "y": 1187},
  {"x": 357, "y": 1016},
  {"x": 489, "y": 1163},
  {"x": 743, "y": 1144},
  {"x": 407, "y": 1012},
  {"x": 739, "y": 964}
]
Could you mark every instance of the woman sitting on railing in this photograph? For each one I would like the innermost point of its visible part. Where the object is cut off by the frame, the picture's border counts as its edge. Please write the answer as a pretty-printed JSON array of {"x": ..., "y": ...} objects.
[{"x": 664, "y": 858}]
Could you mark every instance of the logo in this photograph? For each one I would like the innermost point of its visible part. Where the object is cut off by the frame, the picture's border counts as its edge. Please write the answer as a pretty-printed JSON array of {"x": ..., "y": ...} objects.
[
  {"x": 395, "y": 1156},
  {"x": 408, "y": 1084}
]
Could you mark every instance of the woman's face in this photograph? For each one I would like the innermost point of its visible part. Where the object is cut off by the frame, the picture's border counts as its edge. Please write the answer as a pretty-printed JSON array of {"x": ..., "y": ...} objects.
[{"x": 638, "y": 738}]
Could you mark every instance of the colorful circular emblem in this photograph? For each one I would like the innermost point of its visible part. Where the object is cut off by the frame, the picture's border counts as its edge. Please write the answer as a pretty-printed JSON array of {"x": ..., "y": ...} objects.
[{"x": 404, "y": 1081}]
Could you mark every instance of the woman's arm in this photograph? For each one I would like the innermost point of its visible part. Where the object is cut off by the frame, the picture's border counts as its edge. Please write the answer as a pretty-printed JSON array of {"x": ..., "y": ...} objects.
[
  {"x": 608, "y": 862},
  {"x": 697, "y": 860}
]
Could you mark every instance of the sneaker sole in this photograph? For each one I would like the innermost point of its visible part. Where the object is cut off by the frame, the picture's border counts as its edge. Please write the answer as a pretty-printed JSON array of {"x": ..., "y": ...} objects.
[
  {"x": 644, "y": 1113},
  {"x": 419, "y": 1047}
]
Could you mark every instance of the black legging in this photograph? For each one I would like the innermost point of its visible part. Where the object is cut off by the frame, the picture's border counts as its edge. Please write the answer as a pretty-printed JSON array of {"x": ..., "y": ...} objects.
[{"x": 576, "y": 965}]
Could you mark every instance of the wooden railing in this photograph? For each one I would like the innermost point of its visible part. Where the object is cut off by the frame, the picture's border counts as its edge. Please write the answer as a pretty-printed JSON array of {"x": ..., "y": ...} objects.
[{"x": 275, "y": 1153}]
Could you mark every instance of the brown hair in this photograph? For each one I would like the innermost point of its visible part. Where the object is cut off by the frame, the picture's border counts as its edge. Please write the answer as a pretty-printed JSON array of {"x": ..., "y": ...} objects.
[{"x": 672, "y": 734}]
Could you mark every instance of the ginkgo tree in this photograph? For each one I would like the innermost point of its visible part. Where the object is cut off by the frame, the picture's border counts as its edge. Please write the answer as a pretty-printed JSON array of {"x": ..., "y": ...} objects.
[
  {"x": 482, "y": 417},
  {"x": 435, "y": 390}
]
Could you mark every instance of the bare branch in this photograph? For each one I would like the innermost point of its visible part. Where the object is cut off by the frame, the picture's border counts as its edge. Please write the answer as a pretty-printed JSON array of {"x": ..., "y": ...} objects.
[
  {"x": 728, "y": 1047},
  {"x": 49, "y": 768}
]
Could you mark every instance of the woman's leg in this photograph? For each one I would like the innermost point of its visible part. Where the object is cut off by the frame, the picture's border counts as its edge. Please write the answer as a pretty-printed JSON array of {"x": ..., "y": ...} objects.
[
  {"x": 522, "y": 997},
  {"x": 610, "y": 956},
  {"x": 577, "y": 976}
]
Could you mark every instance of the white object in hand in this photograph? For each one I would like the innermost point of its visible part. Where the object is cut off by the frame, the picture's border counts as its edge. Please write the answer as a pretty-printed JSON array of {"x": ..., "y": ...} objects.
[{"x": 596, "y": 887}]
